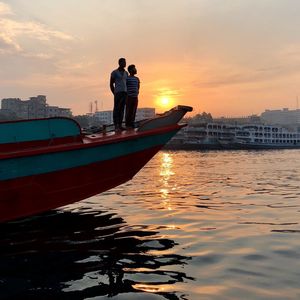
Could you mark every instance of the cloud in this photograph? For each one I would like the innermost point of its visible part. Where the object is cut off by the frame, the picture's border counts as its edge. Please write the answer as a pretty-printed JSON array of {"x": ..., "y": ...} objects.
[
  {"x": 168, "y": 92},
  {"x": 290, "y": 52},
  {"x": 282, "y": 63},
  {"x": 5, "y": 9},
  {"x": 8, "y": 42},
  {"x": 233, "y": 79},
  {"x": 14, "y": 33}
]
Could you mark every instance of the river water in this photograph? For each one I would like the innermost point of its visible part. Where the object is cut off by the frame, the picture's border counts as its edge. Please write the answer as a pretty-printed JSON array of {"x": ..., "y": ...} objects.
[{"x": 190, "y": 225}]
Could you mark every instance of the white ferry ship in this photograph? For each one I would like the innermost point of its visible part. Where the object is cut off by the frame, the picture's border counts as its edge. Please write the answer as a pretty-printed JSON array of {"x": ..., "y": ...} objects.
[
  {"x": 254, "y": 136},
  {"x": 231, "y": 136}
]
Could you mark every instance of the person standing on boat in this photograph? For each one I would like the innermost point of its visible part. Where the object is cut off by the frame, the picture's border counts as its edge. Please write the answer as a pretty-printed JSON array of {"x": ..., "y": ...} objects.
[
  {"x": 118, "y": 87},
  {"x": 133, "y": 88}
]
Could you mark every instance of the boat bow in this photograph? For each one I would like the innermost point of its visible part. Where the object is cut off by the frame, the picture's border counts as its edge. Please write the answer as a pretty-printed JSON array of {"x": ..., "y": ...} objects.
[{"x": 49, "y": 163}]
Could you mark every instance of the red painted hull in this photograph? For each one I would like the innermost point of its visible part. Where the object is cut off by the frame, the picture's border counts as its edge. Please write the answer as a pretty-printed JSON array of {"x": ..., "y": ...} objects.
[{"x": 35, "y": 194}]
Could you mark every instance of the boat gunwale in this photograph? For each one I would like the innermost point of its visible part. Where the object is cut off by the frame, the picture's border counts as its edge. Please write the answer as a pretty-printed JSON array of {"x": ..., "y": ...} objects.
[
  {"x": 93, "y": 142},
  {"x": 42, "y": 119}
]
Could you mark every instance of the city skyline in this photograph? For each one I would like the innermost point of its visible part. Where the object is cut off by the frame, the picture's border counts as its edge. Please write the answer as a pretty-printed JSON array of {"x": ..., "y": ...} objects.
[
  {"x": 238, "y": 58},
  {"x": 94, "y": 108}
]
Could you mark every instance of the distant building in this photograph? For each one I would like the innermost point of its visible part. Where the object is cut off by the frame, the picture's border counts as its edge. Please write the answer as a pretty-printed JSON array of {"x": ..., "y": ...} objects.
[
  {"x": 34, "y": 108},
  {"x": 106, "y": 117},
  {"x": 15, "y": 105},
  {"x": 253, "y": 119},
  {"x": 200, "y": 118},
  {"x": 55, "y": 111},
  {"x": 145, "y": 113},
  {"x": 281, "y": 117},
  {"x": 6, "y": 115}
]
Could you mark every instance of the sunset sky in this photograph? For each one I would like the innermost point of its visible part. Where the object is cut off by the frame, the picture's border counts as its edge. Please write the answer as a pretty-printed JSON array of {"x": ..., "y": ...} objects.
[{"x": 227, "y": 57}]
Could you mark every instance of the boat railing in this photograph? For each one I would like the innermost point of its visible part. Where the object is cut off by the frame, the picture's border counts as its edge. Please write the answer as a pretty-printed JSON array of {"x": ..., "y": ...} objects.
[
  {"x": 106, "y": 128},
  {"x": 172, "y": 116}
]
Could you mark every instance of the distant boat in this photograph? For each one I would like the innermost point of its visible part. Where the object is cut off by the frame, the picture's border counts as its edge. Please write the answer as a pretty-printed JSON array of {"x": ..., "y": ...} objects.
[
  {"x": 259, "y": 136},
  {"x": 219, "y": 136},
  {"x": 49, "y": 163},
  {"x": 196, "y": 137}
]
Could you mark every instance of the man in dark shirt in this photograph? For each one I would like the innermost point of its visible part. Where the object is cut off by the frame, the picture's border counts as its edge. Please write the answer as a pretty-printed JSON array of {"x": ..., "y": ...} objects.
[{"x": 119, "y": 89}]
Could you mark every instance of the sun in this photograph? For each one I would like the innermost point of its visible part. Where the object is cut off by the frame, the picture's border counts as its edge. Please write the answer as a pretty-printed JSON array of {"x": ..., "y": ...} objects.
[{"x": 164, "y": 102}]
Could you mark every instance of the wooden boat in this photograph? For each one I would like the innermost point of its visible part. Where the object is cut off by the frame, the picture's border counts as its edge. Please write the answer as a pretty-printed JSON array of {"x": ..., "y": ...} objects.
[{"x": 49, "y": 163}]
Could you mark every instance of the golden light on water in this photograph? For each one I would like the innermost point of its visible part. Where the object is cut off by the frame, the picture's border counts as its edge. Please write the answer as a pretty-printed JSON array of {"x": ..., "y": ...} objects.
[
  {"x": 150, "y": 288},
  {"x": 166, "y": 173},
  {"x": 166, "y": 167}
]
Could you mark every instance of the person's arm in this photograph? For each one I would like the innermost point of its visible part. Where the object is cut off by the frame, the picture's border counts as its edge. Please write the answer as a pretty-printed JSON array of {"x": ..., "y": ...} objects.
[
  {"x": 111, "y": 84},
  {"x": 139, "y": 84}
]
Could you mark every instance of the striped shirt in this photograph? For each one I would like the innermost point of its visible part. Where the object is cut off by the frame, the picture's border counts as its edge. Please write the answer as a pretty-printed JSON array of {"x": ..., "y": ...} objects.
[{"x": 133, "y": 86}]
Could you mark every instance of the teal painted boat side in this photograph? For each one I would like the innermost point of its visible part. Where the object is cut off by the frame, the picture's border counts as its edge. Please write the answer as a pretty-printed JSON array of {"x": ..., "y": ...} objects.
[
  {"x": 37, "y": 130},
  {"x": 51, "y": 162}
]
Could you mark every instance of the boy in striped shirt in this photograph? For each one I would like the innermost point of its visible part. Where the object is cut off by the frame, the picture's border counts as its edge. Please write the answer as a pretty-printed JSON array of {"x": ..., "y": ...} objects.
[{"x": 133, "y": 88}]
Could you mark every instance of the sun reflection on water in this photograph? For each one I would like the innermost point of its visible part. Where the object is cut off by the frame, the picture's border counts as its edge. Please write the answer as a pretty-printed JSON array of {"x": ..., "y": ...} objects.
[
  {"x": 166, "y": 173},
  {"x": 150, "y": 288}
]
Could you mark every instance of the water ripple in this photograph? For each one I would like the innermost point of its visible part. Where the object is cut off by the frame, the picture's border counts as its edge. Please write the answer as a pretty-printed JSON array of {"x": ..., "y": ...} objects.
[{"x": 190, "y": 225}]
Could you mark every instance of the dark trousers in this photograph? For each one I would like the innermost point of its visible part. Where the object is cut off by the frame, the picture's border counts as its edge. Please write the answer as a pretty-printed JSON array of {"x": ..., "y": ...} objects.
[
  {"x": 131, "y": 106},
  {"x": 119, "y": 105}
]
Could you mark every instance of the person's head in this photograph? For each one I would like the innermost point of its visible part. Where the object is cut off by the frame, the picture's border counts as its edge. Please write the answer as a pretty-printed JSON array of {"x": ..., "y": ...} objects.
[
  {"x": 122, "y": 62},
  {"x": 132, "y": 69}
]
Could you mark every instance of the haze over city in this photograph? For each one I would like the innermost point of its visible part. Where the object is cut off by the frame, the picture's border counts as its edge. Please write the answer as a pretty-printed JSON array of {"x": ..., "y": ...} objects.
[{"x": 224, "y": 57}]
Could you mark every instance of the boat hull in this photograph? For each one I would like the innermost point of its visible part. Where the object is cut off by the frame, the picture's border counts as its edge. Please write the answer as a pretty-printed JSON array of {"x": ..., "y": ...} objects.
[
  {"x": 69, "y": 176},
  {"x": 34, "y": 194}
]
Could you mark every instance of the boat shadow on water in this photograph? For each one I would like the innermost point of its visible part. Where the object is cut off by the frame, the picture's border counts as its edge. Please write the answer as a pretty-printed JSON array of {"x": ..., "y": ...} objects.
[{"x": 83, "y": 254}]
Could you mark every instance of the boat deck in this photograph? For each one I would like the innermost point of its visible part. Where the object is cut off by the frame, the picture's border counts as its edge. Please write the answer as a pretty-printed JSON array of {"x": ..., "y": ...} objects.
[
  {"x": 108, "y": 136},
  {"x": 17, "y": 149}
]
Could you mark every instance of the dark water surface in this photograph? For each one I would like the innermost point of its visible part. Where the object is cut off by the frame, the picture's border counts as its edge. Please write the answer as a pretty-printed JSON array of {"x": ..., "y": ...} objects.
[{"x": 190, "y": 225}]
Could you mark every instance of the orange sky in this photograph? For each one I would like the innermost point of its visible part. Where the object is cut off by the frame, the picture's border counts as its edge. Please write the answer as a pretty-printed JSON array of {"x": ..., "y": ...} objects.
[{"x": 231, "y": 58}]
